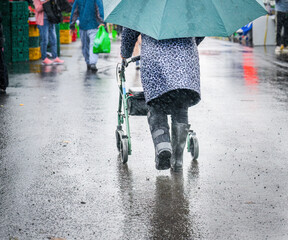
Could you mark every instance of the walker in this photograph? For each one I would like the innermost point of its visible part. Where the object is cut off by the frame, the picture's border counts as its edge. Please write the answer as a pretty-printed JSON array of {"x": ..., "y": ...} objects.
[{"x": 133, "y": 103}]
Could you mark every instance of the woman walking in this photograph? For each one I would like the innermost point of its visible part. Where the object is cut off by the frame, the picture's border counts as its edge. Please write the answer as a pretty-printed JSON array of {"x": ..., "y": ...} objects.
[
  {"x": 170, "y": 75},
  {"x": 47, "y": 34}
]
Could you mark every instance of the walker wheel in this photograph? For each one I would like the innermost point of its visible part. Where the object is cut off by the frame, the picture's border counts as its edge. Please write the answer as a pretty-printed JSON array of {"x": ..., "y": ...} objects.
[
  {"x": 124, "y": 149},
  {"x": 193, "y": 145},
  {"x": 119, "y": 134}
]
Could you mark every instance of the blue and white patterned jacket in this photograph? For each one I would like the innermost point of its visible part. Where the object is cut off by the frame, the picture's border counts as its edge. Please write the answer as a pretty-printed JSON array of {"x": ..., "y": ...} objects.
[{"x": 166, "y": 65}]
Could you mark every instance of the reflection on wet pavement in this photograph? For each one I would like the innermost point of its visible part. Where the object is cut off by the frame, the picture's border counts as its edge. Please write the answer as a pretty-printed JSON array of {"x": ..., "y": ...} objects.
[{"x": 60, "y": 173}]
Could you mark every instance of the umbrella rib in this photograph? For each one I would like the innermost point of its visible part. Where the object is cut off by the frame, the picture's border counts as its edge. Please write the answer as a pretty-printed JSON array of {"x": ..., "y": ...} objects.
[
  {"x": 220, "y": 17},
  {"x": 162, "y": 18}
]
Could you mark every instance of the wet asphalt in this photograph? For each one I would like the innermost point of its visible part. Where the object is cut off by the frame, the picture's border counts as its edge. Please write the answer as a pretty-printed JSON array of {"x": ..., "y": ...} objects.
[{"x": 60, "y": 174}]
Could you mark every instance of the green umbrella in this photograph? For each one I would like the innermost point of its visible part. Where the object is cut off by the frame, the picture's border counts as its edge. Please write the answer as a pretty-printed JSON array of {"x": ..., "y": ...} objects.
[{"x": 164, "y": 19}]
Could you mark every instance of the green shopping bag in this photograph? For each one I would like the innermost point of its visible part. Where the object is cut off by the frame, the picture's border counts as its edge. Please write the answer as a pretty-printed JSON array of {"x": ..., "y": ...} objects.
[{"x": 102, "y": 42}]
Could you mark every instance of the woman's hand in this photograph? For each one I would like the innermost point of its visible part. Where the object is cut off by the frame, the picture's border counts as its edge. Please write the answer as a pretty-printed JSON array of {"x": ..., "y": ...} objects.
[{"x": 44, "y": 1}]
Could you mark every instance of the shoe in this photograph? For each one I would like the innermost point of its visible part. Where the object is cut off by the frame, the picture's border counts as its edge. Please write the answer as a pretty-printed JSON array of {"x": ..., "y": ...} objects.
[
  {"x": 179, "y": 136},
  {"x": 285, "y": 50},
  {"x": 162, "y": 160},
  {"x": 88, "y": 67},
  {"x": 93, "y": 68},
  {"x": 47, "y": 61},
  {"x": 279, "y": 49},
  {"x": 58, "y": 61}
]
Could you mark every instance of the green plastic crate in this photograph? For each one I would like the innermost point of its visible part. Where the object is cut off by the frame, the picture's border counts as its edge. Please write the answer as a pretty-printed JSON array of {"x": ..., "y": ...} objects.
[
  {"x": 64, "y": 26},
  {"x": 19, "y": 31},
  {"x": 21, "y": 42},
  {"x": 64, "y": 14},
  {"x": 20, "y": 54},
  {"x": 4, "y": 7},
  {"x": 34, "y": 42},
  {"x": 18, "y": 7},
  {"x": 19, "y": 13},
  {"x": 6, "y": 21},
  {"x": 21, "y": 18}
]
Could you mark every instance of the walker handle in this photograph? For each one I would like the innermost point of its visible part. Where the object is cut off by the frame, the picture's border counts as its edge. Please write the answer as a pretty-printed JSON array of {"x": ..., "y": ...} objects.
[
  {"x": 125, "y": 63},
  {"x": 135, "y": 59}
]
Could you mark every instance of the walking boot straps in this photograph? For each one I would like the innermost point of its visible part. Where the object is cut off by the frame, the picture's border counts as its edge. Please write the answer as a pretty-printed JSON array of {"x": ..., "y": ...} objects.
[
  {"x": 162, "y": 142},
  {"x": 179, "y": 136},
  {"x": 163, "y": 148}
]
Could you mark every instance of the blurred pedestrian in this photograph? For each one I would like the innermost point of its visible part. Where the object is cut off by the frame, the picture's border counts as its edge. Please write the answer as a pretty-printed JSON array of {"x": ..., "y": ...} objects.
[
  {"x": 90, "y": 14},
  {"x": 47, "y": 34},
  {"x": 170, "y": 75},
  {"x": 281, "y": 22},
  {"x": 3, "y": 67}
]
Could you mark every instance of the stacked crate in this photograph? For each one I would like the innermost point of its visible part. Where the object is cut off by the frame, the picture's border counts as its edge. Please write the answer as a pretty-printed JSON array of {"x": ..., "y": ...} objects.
[
  {"x": 34, "y": 43},
  {"x": 19, "y": 31},
  {"x": 65, "y": 33},
  {"x": 5, "y": 11}
]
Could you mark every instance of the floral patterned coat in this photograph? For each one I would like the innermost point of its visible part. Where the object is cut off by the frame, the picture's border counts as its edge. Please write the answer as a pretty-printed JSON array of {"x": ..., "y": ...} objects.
[{"x": 166, "y": 65}]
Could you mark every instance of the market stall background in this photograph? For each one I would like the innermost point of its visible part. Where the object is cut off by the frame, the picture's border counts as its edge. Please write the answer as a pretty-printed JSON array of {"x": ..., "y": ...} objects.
[
  {"x": 22, "y": 40},
  {"x": 21, "y": 34}
]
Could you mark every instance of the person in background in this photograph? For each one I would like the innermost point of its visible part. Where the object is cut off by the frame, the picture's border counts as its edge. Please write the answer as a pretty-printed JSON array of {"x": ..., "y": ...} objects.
[
  {"x": 90, "y": 14},
  {"x": 281, "y": 8},
  {"x": 3, "y": 69},
  {"x": 170, "y": 76},
  {"x": 47, "y": 34}
]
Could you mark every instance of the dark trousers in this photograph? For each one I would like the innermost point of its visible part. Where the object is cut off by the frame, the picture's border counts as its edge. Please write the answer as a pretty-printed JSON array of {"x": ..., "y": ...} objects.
[
  {"x": 282, "y": 21},
  {"x": 178, "y": 115},
  {"x": 174, "y": 103}
]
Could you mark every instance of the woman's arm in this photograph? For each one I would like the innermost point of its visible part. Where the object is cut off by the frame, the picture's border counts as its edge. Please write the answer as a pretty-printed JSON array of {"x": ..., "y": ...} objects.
[
  {"x": 129, "y": 39},
  {"x": 99, "y": 12},
  {"x": 74, "y": 15},
  {"x": 38, "y": 6}
]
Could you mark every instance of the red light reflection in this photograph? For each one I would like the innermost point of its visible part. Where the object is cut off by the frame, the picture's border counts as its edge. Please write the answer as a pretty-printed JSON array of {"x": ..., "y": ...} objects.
[{"x": 250, "y": 71}]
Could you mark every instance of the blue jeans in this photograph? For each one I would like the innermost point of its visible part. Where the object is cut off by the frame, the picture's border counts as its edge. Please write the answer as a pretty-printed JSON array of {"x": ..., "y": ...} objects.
[
  {"x": 87, "y": 39},
  {"x": 48, "y": 35}
]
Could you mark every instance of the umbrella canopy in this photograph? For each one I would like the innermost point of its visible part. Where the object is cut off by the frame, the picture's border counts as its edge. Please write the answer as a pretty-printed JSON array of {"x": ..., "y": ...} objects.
[{"x": 164, "y": 19}]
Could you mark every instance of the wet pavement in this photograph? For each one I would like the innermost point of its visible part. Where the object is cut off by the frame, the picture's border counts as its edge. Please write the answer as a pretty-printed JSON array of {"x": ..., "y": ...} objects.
[{"x": 60, "y": 175}]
